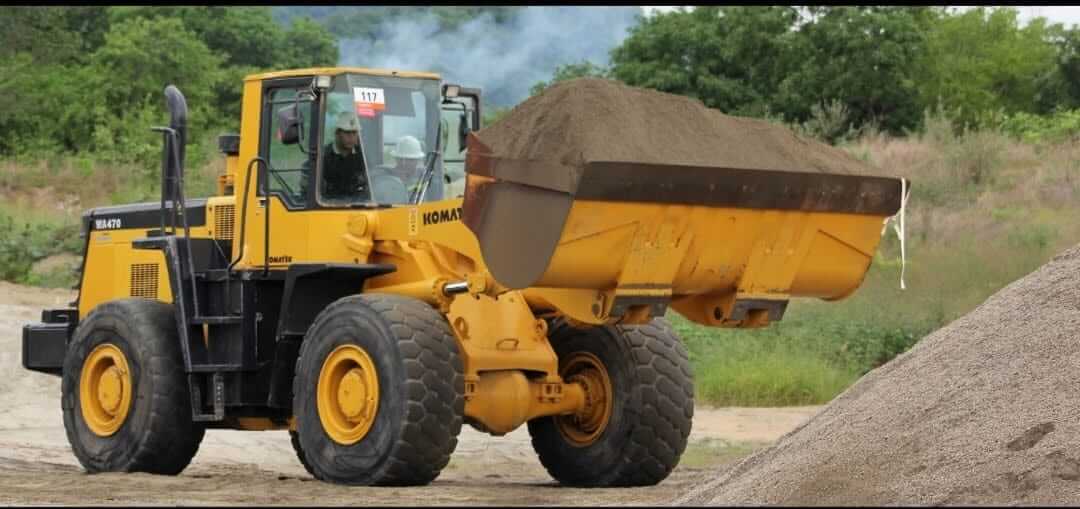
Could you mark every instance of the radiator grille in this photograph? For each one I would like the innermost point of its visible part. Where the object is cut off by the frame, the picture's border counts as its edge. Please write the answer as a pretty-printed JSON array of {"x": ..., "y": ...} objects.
[
  {"x": 224, "y": 218},
  {"x": 144, "y": 280}
]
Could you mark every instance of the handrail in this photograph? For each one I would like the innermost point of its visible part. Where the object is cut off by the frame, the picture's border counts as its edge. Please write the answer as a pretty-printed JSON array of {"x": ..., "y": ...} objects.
[
  {"x": 266, "y": 220},
  {"x": 243, "y": 228},
  {"x": 166, "y": 132},
  {"x": 178, "y": 196}
]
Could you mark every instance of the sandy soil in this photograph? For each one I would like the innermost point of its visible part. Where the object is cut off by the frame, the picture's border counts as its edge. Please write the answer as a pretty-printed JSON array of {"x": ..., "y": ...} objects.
[
  {"x": 981, "y": 412},
  {"x": 237, "y": 467}
]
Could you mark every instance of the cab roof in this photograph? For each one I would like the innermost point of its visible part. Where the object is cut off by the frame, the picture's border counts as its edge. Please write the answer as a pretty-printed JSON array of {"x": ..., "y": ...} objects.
[{"x": 312, "y": 71}]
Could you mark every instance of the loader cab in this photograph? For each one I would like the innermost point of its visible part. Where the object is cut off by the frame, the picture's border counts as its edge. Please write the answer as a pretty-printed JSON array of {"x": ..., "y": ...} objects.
[{"x": 359, "y": 140}]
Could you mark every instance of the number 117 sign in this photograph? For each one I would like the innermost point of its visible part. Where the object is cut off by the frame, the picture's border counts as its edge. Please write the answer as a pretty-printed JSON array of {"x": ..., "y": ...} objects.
[{"x": 368, "y": 101}]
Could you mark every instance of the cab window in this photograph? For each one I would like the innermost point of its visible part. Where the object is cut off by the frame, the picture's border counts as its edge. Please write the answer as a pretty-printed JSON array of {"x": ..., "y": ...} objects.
[
  {"x": 396, "y": 121},
  {"x": 289, "y": 163}
]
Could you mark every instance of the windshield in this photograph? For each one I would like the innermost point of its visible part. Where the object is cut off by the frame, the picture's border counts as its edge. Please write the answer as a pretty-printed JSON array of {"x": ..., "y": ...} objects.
[{"x": 377, "y": 132}]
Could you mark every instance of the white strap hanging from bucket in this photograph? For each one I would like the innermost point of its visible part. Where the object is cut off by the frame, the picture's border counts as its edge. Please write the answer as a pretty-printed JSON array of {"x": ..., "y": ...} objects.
[{"x": 898, "y": 227}]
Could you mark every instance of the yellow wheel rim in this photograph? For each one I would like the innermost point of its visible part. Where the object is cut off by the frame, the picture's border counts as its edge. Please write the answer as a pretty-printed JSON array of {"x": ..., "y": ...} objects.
[
  {"x": 585, "y": 426},
  {"x": 105, "y": 390},
  {"x": 348, "y": 394}
]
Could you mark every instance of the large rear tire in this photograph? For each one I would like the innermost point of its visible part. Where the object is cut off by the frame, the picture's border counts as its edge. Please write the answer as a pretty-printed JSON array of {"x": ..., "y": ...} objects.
[
  {"x": 379, "y": 392},
  {"x": 638, "y": 380},
  {"x": 294, "y": 437},
  {"x": 124, "y": 393}
]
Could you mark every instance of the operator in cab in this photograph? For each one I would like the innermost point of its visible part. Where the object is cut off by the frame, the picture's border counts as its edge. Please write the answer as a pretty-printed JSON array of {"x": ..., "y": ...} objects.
[{"x": 343, "y": 173}]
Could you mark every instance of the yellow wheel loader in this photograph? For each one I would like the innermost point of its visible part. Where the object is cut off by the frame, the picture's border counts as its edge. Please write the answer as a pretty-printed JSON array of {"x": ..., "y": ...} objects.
[{"x": 372, "y": 323}]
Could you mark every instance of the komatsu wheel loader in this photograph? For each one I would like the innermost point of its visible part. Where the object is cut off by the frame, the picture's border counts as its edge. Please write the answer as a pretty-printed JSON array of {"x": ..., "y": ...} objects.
[{"x": 372, "y": 329}]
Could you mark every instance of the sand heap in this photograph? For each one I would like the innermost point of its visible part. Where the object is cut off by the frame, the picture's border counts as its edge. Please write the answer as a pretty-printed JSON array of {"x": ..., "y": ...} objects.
[
  {"x": 590, "y": 119},
  {"x": 983, "y": 411}
]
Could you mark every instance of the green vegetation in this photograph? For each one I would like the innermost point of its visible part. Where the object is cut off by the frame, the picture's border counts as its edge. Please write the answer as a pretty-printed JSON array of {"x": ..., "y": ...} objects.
[
  {"x": 89, "y": 81},
  {"x": 25, "y": 242},
  {"x": 1059, "y": 126},
  {"x": 880, "y": 66},
  {"x": 711, "y": 452}
]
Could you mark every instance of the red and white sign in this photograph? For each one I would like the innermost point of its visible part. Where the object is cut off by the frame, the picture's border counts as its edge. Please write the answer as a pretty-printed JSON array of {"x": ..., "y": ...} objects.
[{"x": 369, "y": 101}]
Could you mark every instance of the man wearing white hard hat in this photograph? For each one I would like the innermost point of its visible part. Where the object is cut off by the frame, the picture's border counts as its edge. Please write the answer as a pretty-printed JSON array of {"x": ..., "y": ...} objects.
[
  {"x": 407, "y": 157},
  {"x": 343, "y": 173},
  {"x": 395, "y": 184}
]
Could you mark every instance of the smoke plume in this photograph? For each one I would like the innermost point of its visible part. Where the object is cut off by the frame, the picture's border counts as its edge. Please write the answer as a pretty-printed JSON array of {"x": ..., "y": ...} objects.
[{"x": 506, "y": 59}]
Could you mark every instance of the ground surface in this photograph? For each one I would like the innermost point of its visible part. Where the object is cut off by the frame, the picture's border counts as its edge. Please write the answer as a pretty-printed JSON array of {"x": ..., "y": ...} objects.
[
  {"x": 236, "y": 467},
  {"x": 981, "y": 412}
]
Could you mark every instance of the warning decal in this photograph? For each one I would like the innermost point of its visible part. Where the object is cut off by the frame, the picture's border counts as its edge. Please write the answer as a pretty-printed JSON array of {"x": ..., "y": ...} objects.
[{"x": 368, "y": 101}]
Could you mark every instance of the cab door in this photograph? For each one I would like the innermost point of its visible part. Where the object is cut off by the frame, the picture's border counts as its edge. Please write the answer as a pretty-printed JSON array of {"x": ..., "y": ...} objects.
[{"x": 288, "y": 142}]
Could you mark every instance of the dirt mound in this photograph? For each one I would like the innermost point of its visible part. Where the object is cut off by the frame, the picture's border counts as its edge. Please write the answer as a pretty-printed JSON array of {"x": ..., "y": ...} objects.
[
  {"x": 983, "y": 411},
  {"x": 591, "y": 119}
]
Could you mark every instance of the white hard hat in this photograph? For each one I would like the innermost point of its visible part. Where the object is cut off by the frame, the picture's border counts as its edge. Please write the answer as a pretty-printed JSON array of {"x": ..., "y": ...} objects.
[
  {"x": 407, "y": 147},
  {"x": 346, "y": 121}
]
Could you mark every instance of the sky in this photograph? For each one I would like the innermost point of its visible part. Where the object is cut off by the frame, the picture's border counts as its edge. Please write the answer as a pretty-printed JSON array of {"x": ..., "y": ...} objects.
[{"x": 1066, "y": 14}]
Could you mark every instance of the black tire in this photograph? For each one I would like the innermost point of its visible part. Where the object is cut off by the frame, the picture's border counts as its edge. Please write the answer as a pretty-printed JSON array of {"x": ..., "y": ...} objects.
[
  {"x": 651, "y": 414},
  {"x": 294, "y": 437},
  {"x": 158, "y": 435},
  {"x": 421, "y": 401}
]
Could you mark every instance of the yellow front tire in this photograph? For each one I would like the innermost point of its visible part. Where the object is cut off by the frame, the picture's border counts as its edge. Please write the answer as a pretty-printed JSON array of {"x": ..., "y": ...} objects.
[
  {"x": 124, "y": 393},
  {"x": 379, "y": 392}
]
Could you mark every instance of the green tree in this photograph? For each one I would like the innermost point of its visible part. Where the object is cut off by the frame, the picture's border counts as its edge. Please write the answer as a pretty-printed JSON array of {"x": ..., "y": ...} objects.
[
  {"x": 249, "y": 40},
  {"x": 129, "y": 74},
  {"x": 731, "y": 58},
  {"x": 863, "y": 57},
  {"x": 242, "y": 35},
  {"x": 42, "y": 51},
  {"x": 571, "y": 71},
  {"x": 307, "y": 44},
  {"x": 1059, "y": 88},
  {"x": 981, "y": 61},
  {"x": 140, "y": 56}
]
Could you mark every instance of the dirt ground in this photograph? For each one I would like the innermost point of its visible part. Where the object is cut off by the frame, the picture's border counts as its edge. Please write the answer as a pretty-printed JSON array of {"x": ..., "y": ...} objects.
[{"x": 238, "y": 467}]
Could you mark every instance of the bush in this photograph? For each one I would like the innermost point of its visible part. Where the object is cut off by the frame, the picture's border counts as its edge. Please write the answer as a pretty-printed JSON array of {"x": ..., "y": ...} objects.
[
  {"x": 24, "y": 243},
  {"x": 937, "y": 126},
  {"x": 1060, "y": 126},
  {"x": 975, "y": 157},
  {"x": 828, "y": 122}
]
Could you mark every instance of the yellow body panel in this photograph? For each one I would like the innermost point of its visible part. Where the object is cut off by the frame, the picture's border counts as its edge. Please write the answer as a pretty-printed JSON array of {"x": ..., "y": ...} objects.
[{"x": 116, "y": 270}]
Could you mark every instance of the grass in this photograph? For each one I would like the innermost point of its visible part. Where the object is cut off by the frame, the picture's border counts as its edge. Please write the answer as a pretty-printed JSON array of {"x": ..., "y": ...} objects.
[
  {"x": 709, "y": 452},
  {"x": 42, "y": 200},
  {"x": 753, "y": 368}
]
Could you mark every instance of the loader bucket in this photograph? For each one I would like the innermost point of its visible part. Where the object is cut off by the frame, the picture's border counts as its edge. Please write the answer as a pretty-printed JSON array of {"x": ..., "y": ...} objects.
[{"x": 675, "y": 232}]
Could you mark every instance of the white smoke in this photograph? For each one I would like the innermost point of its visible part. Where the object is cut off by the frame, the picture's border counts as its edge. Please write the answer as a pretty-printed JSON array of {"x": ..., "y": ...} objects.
[{"x": 503, "y": 60}]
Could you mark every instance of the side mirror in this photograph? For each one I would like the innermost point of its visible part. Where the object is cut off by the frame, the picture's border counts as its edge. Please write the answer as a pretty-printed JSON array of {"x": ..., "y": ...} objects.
[
  {"x": 463, "y": 132},
  {"x": 289, "y": 124}
]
